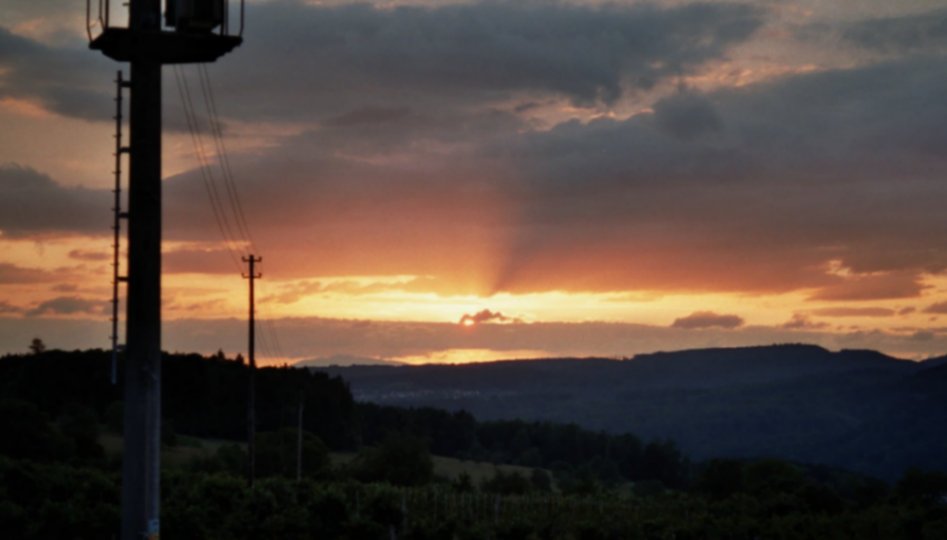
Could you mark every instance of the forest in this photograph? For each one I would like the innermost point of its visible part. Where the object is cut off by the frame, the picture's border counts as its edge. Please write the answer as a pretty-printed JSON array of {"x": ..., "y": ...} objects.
[{"x": 59, "y": 478}]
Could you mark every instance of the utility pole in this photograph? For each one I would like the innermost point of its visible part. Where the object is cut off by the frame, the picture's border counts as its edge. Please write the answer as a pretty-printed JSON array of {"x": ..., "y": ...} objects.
[
  {"x": 299, "y": 437},
  {"x": 251, "y": 352},
  {"x": 197, "y": 33}
]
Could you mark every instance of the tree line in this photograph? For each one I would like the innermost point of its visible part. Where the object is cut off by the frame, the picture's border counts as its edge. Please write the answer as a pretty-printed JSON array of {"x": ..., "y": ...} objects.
[
  {"x": 206, "y": 397},
  {"x": 57, "y": 479}
]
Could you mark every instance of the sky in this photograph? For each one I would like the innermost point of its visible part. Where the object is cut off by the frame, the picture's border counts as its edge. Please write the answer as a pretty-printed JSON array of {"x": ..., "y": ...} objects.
[{"x": 453, "y": 181}]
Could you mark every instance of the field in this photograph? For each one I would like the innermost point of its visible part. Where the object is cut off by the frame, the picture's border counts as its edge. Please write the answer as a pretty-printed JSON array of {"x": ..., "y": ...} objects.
[{"x": 188, "y": 449}]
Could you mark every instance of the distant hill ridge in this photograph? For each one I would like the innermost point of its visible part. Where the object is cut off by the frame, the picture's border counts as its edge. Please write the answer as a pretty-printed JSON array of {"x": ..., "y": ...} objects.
[{"x": 858, "y": 409}]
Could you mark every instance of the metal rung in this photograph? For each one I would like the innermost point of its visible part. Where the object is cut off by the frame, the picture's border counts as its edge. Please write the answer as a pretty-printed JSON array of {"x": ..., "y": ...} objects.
[
  {"x": 123, "y": 215},
  {"x": 122, "y": 279},
  {"x": 124, "y": 149}
]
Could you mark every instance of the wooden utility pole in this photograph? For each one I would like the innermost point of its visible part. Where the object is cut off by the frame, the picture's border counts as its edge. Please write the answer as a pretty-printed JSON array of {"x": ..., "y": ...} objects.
[
  {"x": 299, "y": 438},
  {"x": 251, "y": 353}
]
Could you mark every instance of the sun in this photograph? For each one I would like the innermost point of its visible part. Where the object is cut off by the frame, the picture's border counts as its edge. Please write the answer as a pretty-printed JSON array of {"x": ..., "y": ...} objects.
[{"x": 468, "y": 322}]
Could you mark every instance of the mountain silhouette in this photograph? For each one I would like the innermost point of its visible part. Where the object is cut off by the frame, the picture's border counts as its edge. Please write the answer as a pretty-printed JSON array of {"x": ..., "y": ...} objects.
[{"x": 856, "y": 409}]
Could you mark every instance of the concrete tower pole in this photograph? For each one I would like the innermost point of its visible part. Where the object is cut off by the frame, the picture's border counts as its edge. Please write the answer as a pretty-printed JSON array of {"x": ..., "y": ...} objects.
[
  {"x": 147, "y": 46},
  {"x": 141, "y": 461}
]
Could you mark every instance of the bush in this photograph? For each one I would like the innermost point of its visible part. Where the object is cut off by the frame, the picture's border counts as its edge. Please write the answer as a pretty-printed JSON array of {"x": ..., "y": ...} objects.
[
  {"x": 276, "y": 454},
  {"x": 402, "y": 460}
]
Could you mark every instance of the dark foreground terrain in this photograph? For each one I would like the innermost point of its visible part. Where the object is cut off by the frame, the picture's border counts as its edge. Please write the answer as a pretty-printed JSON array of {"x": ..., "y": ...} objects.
[{"x": 60, "y": 459}]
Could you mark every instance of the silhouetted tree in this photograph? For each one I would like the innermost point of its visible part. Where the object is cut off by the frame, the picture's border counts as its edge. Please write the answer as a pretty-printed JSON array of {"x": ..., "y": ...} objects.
[
  {"x": 276, "y": 454},
  {"x": 402, "y": 460},
  {"x": 28, "y": 434},
  {"x": 37, "y": 346},
  {"x": 922, "y": 486},
  {"x": 720, "y": 478}
]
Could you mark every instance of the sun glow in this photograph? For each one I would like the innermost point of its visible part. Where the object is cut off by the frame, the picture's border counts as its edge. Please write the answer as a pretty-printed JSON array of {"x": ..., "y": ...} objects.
[{"x": 470, "y": 356}]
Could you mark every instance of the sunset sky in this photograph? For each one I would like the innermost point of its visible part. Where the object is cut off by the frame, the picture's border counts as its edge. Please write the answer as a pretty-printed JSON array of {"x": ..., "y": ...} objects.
[{"x": 472, "y": 180}]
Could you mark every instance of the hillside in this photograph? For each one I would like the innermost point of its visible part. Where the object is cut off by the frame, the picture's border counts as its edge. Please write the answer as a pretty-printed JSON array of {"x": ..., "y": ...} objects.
[{"x": 860, "y": 410}]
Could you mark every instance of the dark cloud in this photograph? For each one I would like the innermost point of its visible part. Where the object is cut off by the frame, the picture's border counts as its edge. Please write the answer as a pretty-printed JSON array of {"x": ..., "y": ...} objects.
[
  {"x": 873, "y": 287},
  {"x": 371, "y": 116},
  {"x": 486, "y": 316},
  {"x": 924, "y": 32},
  {"x": 68, "y": 80},
  {"x": 86, "y": 255},
  {"x": 377, "y": 132},
  {"x": 838, "y": 165},
  {"x": 65, "y": 287},
  {"x": 31, "y": 203},
  {"x": 922, "y": 336},
  {"x": 939, "y": 308},
  {"x": 707, "y": 319},
  {"x": 12, "y": 274},
  {"x": 68, "y": 305},
  {"x": 470, "y": 52},
  {"x": 7, "y": 308},
  {"x": 801, "y": 321},
  {"x": 195, "y": 307},
  {"x": 686, "y": 115},
  {"x": 855, "y": 312}
]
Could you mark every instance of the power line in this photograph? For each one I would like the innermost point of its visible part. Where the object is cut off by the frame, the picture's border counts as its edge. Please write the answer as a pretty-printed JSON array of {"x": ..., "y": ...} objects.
[
  {"x": 228, "y": 209},
  {"x": 219, "y": 217},
  {"x": 224, "y": 158}
]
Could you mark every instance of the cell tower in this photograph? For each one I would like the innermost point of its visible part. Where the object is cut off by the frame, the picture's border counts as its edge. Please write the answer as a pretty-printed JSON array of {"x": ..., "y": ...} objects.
[{"x": 191, "y": 31}]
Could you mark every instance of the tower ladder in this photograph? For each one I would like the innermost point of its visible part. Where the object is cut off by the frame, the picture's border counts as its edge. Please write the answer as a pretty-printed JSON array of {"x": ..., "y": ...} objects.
[{"x": 118, "y": 216}]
